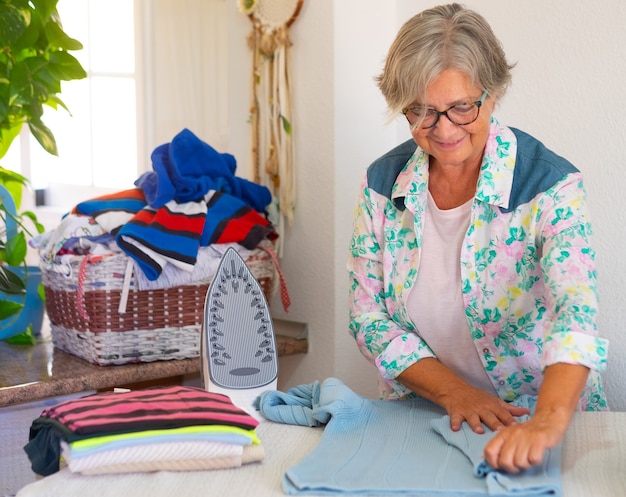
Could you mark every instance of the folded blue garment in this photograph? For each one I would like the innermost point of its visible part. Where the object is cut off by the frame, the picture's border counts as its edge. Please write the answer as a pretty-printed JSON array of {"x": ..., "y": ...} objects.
[{"x": 404, "y": 447}]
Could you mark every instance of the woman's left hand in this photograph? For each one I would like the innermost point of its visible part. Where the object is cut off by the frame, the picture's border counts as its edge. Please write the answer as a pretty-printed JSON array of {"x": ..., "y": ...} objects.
[
  {"x": 522, "y": 445},
  {"x": 519, "y": 446}
]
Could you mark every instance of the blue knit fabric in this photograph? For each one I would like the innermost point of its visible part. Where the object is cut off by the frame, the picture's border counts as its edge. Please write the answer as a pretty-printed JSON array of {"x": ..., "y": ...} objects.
[
  {"x": 294, "y": 407},
  {"x": 187, "y": 168},
  {"x": 404, "y": 447},
  {"x": 538, "y": 480}
]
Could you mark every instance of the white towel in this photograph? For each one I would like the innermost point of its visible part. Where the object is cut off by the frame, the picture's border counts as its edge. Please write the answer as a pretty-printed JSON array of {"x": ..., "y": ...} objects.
[{"x": 169, "y": 456}]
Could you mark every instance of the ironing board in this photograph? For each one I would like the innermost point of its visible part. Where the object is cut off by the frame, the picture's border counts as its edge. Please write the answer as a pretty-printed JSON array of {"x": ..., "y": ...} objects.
[{"x": 593, "y": 462}]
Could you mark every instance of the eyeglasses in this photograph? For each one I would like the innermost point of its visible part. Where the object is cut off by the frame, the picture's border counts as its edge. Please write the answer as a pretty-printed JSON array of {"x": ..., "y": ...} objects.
[{"x": 459, "y": 114}]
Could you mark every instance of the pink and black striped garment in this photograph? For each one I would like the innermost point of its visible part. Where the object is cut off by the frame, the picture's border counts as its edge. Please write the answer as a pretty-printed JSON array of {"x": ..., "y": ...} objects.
[{"x": 153, "y": 408}]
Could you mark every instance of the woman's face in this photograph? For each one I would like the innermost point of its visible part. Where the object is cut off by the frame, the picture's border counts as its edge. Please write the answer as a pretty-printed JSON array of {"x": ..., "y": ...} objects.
[{"x": 450, "y": 144}]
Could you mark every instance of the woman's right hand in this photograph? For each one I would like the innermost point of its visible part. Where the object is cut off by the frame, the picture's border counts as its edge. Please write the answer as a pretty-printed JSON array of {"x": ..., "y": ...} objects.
[
  {"x": 463, "y": 402},
  {"x": 477, "y": 407}
]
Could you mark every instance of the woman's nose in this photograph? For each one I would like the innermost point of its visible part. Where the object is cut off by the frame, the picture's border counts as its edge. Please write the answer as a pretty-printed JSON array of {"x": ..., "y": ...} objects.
[{"x": 444, "y": 125}]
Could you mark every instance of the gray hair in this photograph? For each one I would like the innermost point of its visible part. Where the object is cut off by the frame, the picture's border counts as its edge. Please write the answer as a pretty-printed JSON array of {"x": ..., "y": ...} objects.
[{"x": 444, "y": 37}]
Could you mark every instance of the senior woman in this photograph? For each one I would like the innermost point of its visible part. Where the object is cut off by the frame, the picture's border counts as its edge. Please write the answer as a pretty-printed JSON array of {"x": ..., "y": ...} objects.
[{"x": 471, "y": 265}]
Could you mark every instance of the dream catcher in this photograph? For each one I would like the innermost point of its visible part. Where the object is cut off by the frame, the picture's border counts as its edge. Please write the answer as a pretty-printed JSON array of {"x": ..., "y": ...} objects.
[{"x": 271, "y": 111}]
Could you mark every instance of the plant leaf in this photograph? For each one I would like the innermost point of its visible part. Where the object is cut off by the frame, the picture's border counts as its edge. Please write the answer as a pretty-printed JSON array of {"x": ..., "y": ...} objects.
[
  {"x": 45, "y": 8},
  {"x": 25, "y": 338},
  {"x": 11, "y": 283},
  {"x": 65, "y": 66},
  {"x": 55, "y": 102},
  {"x": 41, "y": 291},
  {"x": 286, "y": 124},
  {"x": 7, "y": 135},
  {"x": 59, "y": 38},
  {"x": 31, "y": 35},
  {"x": 21, "y": 89},
  {"x": 33, "y": 217},
  {"x": 15, "y": 250},
  {"x": 14, "y": 23},
  {"x": 44, "y": 136},
  {"x": 9, "y": 308},
  {"x": 14, "y": 183}
]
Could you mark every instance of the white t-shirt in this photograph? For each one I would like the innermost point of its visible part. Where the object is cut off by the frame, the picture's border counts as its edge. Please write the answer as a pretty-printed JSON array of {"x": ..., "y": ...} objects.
[{"x": 435, "y": 303}]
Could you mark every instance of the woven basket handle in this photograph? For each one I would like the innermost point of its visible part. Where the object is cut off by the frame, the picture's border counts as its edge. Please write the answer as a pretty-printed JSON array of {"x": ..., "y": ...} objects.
[
  {"x": 284, "y": 292},
  {"x": 80, "y": 291}
]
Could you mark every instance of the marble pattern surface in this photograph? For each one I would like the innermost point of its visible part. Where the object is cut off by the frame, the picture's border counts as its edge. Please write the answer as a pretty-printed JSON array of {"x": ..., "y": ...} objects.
[{"x": 29, "y": 373}]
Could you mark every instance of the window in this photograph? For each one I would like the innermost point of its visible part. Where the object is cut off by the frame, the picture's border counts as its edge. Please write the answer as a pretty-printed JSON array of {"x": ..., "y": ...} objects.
[
  {"x": 153, "y": 68},
  {"x": 97, "y": 143}
]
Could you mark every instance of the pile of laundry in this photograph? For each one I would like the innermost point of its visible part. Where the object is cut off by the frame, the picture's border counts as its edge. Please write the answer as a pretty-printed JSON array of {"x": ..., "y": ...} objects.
[
  {"x": 157, "y": 429},
  {"x": 190, "y": 200}
]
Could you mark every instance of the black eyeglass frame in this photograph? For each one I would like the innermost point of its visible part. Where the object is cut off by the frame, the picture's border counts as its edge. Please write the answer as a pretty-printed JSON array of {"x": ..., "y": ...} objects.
[{"x": 478, "y": 103}]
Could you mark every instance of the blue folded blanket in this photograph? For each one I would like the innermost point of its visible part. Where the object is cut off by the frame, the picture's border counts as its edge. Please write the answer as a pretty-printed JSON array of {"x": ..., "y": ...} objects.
[{"x": 405, "y": 447}]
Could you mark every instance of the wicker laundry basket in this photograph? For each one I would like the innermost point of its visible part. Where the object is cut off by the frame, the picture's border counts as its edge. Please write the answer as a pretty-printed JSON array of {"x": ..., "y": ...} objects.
[{"x": 94, "y": 316}]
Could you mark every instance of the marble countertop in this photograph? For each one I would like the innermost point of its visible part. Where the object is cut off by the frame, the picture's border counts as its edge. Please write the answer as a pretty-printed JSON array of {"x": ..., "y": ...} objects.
[{"x": 29, "y": 373}]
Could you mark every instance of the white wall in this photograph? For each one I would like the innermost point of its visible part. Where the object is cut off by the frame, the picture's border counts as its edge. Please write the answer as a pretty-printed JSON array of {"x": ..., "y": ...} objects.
[
  {"x": 568, "y": 91},
  {"x": 309, "y": 261}
]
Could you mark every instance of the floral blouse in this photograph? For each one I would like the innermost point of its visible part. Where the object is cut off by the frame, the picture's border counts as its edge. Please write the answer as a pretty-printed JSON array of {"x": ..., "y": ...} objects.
[{"x": 527, "y": 267}]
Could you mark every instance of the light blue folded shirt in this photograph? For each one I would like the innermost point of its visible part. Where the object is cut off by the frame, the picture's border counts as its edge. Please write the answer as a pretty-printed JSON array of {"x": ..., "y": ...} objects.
[{"x": 401, "y": 447}]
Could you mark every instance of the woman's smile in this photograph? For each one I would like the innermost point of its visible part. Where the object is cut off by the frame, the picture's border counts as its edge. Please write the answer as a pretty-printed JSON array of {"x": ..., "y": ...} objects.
[{"x": 449, "y": 144}]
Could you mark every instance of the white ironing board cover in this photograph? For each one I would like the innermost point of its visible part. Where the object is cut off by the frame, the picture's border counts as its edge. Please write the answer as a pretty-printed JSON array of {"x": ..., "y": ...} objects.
[{"x": 594, "y": 463}]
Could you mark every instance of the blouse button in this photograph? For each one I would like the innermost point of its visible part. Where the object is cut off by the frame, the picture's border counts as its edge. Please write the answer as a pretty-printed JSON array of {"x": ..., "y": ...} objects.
[{"x": 486, "y": 351}]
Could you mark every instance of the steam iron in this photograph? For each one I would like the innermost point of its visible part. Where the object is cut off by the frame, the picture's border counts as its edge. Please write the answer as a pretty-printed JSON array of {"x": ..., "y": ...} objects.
[{"x": 238, "y": 346}]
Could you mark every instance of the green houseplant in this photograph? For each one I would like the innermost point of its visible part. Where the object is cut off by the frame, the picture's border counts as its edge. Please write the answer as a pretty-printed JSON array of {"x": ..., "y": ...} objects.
[
  {"x": 34, "y": 59},
  {"x": 21, "y": 299}
]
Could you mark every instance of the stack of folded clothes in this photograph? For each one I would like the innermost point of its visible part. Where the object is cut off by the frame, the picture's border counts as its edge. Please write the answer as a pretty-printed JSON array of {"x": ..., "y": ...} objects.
[{"x": 165, "y": 428}]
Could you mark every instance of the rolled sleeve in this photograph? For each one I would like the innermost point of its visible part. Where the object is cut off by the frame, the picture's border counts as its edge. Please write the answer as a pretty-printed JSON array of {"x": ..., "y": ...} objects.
[
  {"x": 576, "y": 348},
  {"x": 400, "y": 353}
]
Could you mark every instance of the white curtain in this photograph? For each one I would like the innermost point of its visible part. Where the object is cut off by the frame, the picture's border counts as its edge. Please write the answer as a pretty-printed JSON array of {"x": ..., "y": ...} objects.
[{"x": 185, "y": 66}]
